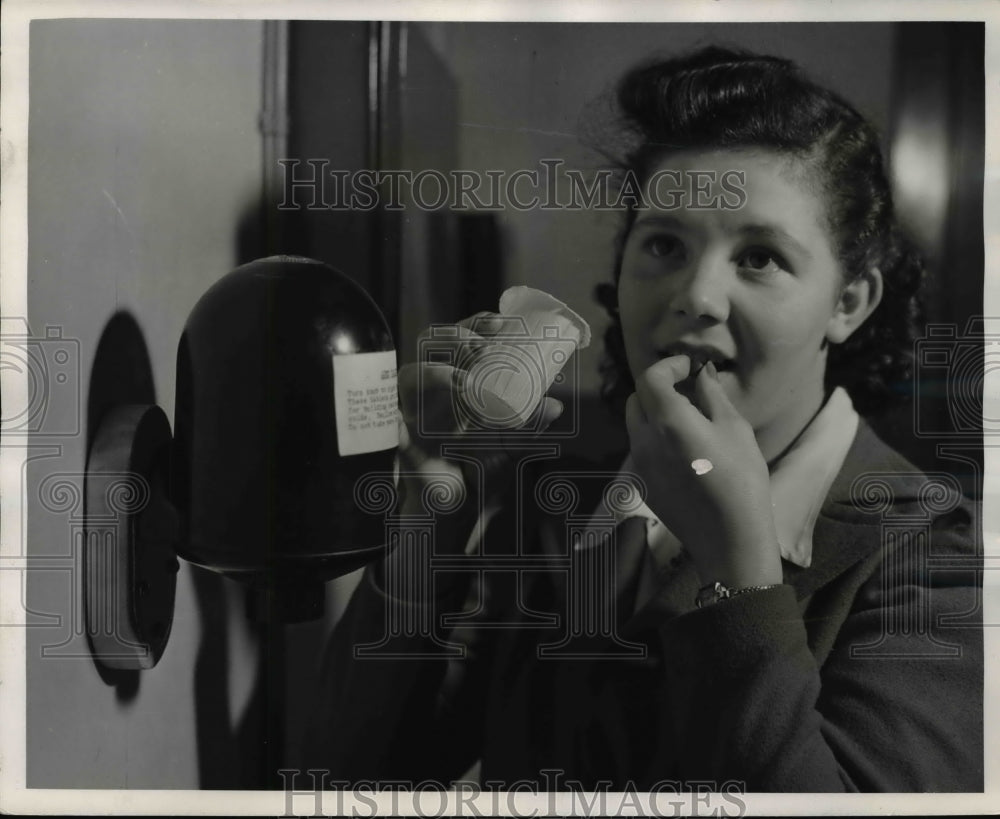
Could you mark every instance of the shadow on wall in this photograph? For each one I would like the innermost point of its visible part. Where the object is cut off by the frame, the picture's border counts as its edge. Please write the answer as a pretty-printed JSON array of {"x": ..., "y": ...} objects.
[
  {"x": 228, "y": 756},
  {"x": 122, "y": 374},
  {"x": 254, "y": 239}
]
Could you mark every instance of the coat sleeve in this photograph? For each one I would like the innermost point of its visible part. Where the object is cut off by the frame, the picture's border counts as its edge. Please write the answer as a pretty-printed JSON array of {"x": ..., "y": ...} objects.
[
  {"x": 401, "y": 709},
  {"x": 896, "y": 705}
]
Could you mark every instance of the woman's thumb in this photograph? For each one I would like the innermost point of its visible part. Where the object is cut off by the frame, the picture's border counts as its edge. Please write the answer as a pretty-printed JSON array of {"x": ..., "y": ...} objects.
[{"x": 550, "y": 410}]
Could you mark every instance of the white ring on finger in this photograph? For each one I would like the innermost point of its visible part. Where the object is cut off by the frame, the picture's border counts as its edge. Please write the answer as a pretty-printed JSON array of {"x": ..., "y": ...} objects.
[{"x": 701, "y": 466}]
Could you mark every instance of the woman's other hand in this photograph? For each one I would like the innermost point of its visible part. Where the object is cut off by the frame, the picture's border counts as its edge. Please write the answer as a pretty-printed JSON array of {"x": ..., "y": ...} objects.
[
  {"x": 705, "y": 475},
  {"x": 429, "y": 398}
]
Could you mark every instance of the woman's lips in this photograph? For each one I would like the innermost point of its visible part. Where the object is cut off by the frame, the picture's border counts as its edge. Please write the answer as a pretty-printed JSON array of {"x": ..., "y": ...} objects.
[{"x": 699, "y": 358}]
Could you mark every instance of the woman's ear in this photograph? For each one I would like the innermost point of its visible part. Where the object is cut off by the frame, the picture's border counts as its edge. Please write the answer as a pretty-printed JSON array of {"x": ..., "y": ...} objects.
[{"x": 857, "y": 301}]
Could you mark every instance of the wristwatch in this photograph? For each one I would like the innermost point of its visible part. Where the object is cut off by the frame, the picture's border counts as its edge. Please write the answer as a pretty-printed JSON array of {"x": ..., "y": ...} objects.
[{"x": 714, "y": 592}]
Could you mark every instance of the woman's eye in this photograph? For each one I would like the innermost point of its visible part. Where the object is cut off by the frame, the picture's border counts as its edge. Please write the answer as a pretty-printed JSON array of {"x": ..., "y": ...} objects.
[
  {"x": 761, "y": 260},
  {"x": 664, "y": 246}
]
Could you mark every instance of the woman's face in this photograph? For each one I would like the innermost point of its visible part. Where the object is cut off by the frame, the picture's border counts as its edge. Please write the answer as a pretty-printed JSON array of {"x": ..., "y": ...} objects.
[{"x": 753, "y": 288}]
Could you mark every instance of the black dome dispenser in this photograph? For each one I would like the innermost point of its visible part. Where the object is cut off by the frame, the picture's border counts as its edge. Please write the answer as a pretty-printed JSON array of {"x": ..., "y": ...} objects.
[{"x": 286, "y": 397}]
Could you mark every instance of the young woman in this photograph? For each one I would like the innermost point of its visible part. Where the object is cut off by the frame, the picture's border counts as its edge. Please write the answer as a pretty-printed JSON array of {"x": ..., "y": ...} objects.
[{"x": 805, "y": 599}]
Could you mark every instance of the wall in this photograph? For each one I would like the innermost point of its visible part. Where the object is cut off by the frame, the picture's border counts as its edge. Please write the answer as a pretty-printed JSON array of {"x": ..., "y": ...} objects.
[{"x": 145, "y": 157}]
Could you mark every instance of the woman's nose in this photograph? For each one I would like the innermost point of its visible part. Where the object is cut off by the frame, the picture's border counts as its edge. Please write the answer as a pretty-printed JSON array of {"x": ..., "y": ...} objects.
[{"x": 702, "y": 291}]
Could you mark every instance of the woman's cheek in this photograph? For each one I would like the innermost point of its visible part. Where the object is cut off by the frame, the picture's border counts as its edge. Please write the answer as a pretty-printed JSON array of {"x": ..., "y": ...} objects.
[{"x": 635, "y": 329}]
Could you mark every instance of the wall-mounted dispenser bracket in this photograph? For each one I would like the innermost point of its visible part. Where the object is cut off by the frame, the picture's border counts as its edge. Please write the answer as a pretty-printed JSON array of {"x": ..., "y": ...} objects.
[{"x": 129, "y": 560}]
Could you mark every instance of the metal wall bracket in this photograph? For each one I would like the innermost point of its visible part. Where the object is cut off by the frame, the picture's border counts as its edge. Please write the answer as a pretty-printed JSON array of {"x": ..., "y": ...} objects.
[{"x": 130, "y": 561}]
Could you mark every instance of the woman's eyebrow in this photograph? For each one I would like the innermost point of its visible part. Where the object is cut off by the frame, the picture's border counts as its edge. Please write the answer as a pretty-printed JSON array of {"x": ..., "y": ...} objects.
[
  {"x": 775, "y": 234},
  {"x": 658, "y": 219}
]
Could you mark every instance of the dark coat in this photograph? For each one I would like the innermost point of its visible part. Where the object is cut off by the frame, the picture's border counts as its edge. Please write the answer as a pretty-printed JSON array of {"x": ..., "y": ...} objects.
[{"x": 864, "y": 672}]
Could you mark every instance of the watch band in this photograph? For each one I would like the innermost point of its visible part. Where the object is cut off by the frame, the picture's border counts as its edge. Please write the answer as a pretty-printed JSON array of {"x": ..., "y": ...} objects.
[{"x": 714, "y": 592}]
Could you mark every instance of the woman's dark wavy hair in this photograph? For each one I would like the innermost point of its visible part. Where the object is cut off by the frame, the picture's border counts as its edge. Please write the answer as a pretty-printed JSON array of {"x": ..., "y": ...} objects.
[{"x": 718, "y": 98}]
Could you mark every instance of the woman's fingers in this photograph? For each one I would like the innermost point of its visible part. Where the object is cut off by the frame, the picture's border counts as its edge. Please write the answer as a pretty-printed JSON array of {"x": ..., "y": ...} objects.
[
  {"x": 404, "y": 433},
  {"x": 449, "y": 344},
  {"x": 546, "y": 414},
  {"x": 427, "y": 393},
  {"x": 430, "y": 391},
  {"x": 657, "y": 389},
  {"x": 458, "y": 344},
  {"x": 635, "y": 417},
  {"x": 485, "y": 323},
  {"x": 661, "y": 399},
  {"x": 710, "y": 397}
]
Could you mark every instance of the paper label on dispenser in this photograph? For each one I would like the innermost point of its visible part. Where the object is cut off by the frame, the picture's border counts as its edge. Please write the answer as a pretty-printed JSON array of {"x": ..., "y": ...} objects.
[{"x": 364, "y": 395}]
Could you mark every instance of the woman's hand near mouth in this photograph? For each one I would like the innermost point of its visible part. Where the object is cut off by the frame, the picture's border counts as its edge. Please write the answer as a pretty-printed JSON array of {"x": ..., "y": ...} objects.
[{"x": 722, "y": 515}]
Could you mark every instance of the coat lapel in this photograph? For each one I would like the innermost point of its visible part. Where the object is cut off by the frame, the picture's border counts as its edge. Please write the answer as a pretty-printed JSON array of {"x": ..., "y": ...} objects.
[{"x": 843, "y": 533}]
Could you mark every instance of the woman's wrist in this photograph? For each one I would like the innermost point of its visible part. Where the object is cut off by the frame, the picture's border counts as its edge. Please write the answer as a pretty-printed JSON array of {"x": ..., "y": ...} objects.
[
  {"x": 714, "y": 592},
  {"x": 754, "y": 561}
]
